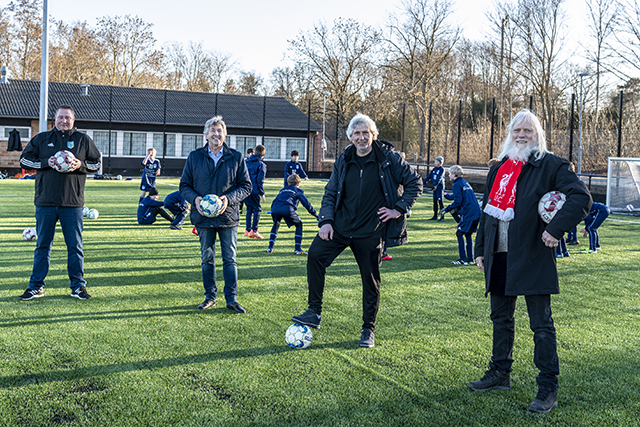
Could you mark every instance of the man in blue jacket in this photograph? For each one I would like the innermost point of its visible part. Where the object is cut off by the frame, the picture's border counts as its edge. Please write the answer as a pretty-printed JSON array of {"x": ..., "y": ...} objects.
[
  {"x": 217, "y": 169},
  {"x": 364, "y": 205}
]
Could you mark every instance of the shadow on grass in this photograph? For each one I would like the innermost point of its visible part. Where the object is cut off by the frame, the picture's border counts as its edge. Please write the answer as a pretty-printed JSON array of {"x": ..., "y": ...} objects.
[{"x": 145, "y": 365}]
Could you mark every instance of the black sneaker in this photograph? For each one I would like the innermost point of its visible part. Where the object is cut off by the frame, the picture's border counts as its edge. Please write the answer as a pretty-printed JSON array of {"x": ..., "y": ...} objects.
[
  {"x": 31, "y": 294},
  {"x": 175, "y": 227},
  {"x": 235, "y": 306},
  {"x": 206, "y": 304},
  {"x": 545, "y": 401},
  {"x": 492, "y": 380},
  {"x": 459, "y": 262},
  {"x": 80, "y": 293},
  {"x": 308, "y": 318},
  {"x": 366, "y": 338}
]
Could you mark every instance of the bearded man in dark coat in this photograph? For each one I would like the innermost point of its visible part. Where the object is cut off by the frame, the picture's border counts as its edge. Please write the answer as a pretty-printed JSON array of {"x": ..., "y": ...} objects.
[{"x": 516, "y": 250}]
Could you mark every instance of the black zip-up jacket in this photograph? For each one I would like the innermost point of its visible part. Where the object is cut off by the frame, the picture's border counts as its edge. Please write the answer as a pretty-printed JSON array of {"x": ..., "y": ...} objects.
[
  {"x": 401, "y": 186},
  {"x": 53, "y": 188}
]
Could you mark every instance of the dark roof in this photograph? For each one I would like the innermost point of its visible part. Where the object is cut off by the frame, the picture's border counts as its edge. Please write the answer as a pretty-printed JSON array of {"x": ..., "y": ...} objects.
[{"x": 21, "y": 99}]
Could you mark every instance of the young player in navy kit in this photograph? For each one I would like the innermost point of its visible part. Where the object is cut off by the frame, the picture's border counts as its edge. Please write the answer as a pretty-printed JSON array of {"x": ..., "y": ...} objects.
[
  {"x": 257, "y": 172},
  {"x": 598, "y": 213},
  {"x": 179, "y": 207},
  {"x": 151, "y": 169},
  {"x": 150, "y": 207},
  {"x": 294, "y": 167},
  {"x": 284, "y": 207},
  {"x": 466, "y": 204},
  {"x": 436, "y": 177}
]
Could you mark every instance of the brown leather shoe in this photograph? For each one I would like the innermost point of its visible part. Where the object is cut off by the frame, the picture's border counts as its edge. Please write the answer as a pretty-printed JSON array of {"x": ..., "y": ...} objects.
[{"x": 208, "y": 303}]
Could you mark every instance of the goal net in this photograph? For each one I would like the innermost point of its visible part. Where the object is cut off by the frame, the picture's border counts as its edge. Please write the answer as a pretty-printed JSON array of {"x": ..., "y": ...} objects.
[{"x": 623, "y": 184}]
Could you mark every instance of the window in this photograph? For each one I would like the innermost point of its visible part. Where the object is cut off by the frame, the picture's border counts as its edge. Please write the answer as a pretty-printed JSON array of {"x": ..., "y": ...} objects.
[
  {"x": 272, "y": 146},
  {"x": 134, "y": 144},
  {"x": 25, "y": 133},
  {"x": 158, "y": 144},
  {"x": 297, "y": 144},
  {"x": 245, "y": 142},
  {"x": 101, "y": 139},
  {"x": 190, "y": 143}
]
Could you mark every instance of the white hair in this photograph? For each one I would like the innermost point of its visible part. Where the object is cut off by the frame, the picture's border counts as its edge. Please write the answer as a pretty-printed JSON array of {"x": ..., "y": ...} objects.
[
  {"x": 217, "y": 120},
  {"x": 357, "y": 120},
  {"x": 525, "y": 116}
]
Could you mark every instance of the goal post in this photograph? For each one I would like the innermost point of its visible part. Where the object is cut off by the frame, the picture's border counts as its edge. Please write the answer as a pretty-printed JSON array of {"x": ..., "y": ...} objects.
[{"x": 623, "y": 184}]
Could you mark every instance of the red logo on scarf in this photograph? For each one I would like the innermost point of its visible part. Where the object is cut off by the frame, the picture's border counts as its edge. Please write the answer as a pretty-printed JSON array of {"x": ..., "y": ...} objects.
[{"x": 502, "y": 198}]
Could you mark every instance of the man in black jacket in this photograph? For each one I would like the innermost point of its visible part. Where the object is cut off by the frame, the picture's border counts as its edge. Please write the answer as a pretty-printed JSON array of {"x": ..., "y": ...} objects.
[
  {"x": 516, "y": 250},
  {"x": 220, "y": 170},
  {"x": 364, "y": 205},
  {"x": 59, "y": 197}
]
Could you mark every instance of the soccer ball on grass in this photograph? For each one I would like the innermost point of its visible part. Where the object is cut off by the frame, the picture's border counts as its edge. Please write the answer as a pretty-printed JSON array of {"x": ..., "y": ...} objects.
[
  {"x": 29, "y": 234},
  {"x": 550, "y": 204},
  {"x": 85, "y": 211},
  {"x": 629, "y": 208},
  {"x": 63, "y": 161},
  {"x": 298, "y": 336},
  {"x": 211, "y": 205},
  {"x": 93, "y": 214}
]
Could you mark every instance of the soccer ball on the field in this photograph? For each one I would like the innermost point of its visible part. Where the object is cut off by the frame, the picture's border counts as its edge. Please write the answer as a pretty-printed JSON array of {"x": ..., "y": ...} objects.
[
  {"x": 85, "y": 211},
  {"x": 298, "y": 336},
  {"x": 93, "y": 214},
  {"x": 63, "y": 161},
  {"x": 211, "y": 205},
  {"x": 629, "y": 208},
  {"x": 550, "y": 204},
  {"x": 119, "y": 177},
  {"x": 29, "y": 234}
]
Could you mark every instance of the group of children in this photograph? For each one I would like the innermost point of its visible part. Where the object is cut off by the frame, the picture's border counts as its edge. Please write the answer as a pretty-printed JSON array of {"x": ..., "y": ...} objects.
[
  {"x": 464, "y": 208},
  {"x": 284, "y": 206}
]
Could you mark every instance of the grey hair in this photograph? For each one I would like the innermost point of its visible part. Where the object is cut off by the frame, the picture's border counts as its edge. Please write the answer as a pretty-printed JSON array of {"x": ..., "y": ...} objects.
[
  {"x": 359, "y": 119},
  {"x": 217, "y": 120},
  {"x": 525, "y": 115}
]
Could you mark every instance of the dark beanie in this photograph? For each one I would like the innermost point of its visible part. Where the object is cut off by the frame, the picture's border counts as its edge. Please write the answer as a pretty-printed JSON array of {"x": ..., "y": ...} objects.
[{"x": 153, "y": 192}]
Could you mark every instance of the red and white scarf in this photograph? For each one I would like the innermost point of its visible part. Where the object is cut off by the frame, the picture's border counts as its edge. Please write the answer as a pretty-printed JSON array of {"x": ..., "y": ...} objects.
[{"x": 502, "y": 198}]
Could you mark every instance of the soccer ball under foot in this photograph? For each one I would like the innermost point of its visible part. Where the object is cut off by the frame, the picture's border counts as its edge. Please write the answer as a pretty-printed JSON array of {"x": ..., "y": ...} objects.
[{"x": 298, "y": 336}]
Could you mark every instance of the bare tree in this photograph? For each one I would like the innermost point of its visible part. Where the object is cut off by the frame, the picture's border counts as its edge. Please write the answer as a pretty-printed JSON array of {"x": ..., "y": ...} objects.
[
  {"x": 5, "y": 37},
  {"x": 419, "y": 42},
  {"x": 539, "y": 24},
  {"x": 340, "y": 60},
  {"x": 250, "y": 83},
  {"x": 196, "y": 69},
  {"x": 132, "y": 58},
  {"x": 27, "y": 37},
  {"x": 75, "y": 54},
  {"x": 602, "y": 24}
]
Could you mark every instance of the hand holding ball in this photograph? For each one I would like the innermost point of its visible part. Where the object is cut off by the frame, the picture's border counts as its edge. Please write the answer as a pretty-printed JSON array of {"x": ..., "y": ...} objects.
[
  {"x": 63, "y": 161},
  {"x": 211, "y": 205},
  {"x": 550, "y": 204}
]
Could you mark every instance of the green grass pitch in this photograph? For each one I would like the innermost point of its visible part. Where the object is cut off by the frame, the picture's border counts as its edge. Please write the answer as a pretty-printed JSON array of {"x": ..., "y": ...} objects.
[{"x": 139, "y": 353}]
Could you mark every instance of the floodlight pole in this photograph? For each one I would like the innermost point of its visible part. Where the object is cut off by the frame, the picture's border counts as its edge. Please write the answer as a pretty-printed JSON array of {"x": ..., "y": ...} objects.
[
  {"x": 582, "y": 75},
  {"x": 44, "y": 69}
]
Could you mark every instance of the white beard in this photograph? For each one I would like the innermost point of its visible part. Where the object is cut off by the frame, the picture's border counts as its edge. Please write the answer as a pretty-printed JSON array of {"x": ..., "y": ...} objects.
[{"x": 520, "y": 154}]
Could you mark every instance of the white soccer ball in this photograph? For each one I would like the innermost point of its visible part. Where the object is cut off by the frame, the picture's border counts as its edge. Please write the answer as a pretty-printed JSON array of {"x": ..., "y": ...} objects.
[
  {"x": 118, "y": 177},
  {"x": 550, "y": 204},
  {"x": 298, "y": 336},
  {"x": 85, "y": 211},
  {"x": 93, "y": 214},
  {"x": 63, "y": 161},
  {"x": 29, "y": 234},
  {"x": 211, "y": 205},
  {"x": 629, "y": 208}
]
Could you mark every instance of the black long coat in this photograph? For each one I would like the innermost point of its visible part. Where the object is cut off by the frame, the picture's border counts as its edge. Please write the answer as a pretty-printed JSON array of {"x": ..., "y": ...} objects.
[{"x": 531, "y": 266}]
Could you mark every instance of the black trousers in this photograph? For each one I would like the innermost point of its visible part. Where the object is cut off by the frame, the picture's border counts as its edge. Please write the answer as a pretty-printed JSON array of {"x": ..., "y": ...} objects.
[
  {"x": 545, "y": 353},
  {"x": 157, "y": 210},
  {"x": 367, "y": 252}
]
